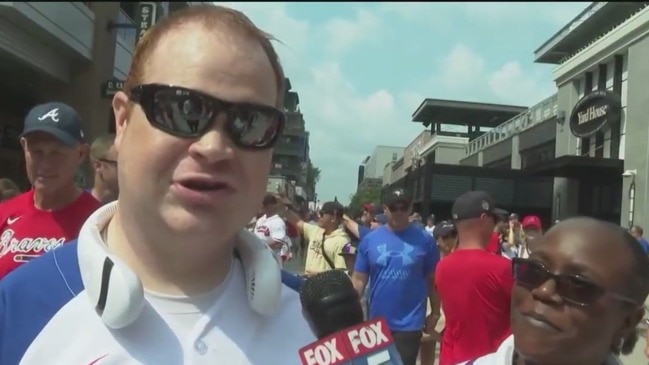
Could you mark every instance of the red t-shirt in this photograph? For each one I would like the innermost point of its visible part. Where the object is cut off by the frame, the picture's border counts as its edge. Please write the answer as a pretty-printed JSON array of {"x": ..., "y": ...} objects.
[
  {"x": 27, "y": 232},
  {"x": 291, "y": 230},
  {"x": 494, "y": 243},
  {"x": 475, "y": 289}
]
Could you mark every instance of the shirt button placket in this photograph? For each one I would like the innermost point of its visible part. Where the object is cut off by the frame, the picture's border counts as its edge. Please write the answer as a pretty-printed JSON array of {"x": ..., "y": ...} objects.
[{"x": 200, "y": 347}]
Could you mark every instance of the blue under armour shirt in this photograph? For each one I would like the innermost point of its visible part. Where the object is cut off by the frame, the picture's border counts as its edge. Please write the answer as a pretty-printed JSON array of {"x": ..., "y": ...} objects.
[{"x": 398, "y": 264}]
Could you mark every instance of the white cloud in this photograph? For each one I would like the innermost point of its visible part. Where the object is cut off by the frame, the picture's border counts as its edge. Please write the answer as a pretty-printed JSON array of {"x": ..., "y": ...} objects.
[
  {"x": 461, "y": 68},
  {"x": 347, "y": 123},
  {"x": 511, "y": 83},
  {"x": 343, "y": 34}
]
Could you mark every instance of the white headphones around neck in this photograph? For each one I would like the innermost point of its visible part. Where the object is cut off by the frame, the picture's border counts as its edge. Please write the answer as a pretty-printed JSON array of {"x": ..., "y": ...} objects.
[{"x": 117, "y": 294}]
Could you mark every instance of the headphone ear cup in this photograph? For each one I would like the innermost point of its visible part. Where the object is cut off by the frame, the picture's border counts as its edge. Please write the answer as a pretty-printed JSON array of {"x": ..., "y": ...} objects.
[
  {"x": 121, "y": 299},
  {"x": 262, "y": 273},
  {"x": 115, "y": 292}
]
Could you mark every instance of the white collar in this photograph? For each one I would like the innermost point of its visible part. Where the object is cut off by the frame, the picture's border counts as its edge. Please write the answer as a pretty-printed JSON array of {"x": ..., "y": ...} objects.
[
  {"x": 505, "y": 354},
  {"x": 117, "y": 293}
]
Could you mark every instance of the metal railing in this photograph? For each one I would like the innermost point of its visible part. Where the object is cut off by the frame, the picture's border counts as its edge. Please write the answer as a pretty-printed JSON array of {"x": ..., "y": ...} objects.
[{"x": 538, "y": 113}]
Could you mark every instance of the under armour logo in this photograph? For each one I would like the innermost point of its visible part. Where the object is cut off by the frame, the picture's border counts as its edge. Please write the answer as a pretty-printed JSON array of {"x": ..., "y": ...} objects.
[
  {"x": 404, "y": 254},
  {"x": 52, "y": 114}
]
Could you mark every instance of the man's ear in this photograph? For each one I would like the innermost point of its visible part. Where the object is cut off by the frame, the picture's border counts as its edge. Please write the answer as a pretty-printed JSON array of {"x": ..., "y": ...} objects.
[
  {"x": 83, "y": 152},
  {"x": 23, "y": 142},
  {"x": 121, "y": 110}
]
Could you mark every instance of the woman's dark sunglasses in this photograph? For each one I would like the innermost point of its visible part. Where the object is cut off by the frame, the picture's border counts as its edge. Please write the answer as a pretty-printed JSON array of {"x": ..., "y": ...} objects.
[
  {"x": 575, "y": 289},
  {"x": 189, "y": 113}
]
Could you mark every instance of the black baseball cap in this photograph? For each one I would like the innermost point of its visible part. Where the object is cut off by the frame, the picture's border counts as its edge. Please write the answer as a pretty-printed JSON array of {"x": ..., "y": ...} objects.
[
  {"x": 57, "y": 119},
  {"x": 269, "y": 199},
  {"x": 397, "y": 196},
  {"x": 443, "y": 228},
  {"x": 333, "y": 208},
  {"x": 473, "y": 204}
]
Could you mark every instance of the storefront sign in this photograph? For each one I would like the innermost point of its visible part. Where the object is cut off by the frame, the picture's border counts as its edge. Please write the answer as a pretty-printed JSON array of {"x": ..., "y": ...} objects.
[
  {"x": 111, "y": 87},
  {"x": 146, "y": 17},
  {"x": 595, "y": 112}
]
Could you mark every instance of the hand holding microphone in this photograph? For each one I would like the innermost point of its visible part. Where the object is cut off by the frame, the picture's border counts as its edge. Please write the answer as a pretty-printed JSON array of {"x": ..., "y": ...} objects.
[{"x": 332, "y": 307}]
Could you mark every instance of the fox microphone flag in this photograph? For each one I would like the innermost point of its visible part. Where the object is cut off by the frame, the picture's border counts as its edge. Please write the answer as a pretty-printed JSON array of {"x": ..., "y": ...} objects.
[
  {"x": 332, "y": 307},
  {"x": 369, "y": 343}
]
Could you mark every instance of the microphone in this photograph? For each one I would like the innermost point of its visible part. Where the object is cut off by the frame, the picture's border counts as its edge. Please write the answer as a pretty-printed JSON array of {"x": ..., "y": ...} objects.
[{"x": 331, "y": 306}]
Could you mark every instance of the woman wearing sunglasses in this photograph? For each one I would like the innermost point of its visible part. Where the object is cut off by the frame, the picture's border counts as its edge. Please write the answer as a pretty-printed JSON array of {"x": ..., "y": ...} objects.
[{"x": 577, "y": 299}]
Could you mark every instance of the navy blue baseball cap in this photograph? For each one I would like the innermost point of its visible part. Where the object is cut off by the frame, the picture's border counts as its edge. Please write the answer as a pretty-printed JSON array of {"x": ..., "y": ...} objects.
[
  {"x": 443, "y": 229},
  {"x": 57, "y": 119}
]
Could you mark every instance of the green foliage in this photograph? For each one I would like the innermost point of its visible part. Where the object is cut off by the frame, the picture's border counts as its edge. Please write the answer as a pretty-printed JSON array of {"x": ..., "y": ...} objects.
[
  {"x": 363, "y": 196},
  {"x": 312, "y": 175}
]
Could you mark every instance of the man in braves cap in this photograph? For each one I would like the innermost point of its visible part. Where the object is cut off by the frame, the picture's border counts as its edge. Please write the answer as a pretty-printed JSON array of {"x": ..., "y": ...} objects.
[
  {"x": 52, "y": 212},
  {"x": 474, "y": 284}
]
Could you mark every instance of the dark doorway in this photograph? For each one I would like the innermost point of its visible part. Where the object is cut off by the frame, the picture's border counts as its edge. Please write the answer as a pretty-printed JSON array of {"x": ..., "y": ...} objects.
[{"x": 600, "y": 198}]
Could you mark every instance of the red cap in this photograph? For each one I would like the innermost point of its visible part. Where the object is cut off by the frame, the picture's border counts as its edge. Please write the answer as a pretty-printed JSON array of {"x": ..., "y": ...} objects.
[{"x": 531, "y": 221}]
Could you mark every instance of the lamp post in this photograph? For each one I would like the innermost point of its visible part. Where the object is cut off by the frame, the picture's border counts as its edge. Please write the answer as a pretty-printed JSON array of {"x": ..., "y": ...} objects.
[{"x": 631, "y": 194}]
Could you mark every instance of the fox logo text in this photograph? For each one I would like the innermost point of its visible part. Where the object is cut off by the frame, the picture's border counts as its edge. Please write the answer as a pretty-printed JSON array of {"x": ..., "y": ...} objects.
[
  {"x": 324, "y": 353},
  {"x": 367, "y": 338}
]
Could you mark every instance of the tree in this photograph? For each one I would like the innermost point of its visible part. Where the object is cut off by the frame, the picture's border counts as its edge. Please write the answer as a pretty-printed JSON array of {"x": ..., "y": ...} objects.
[
  {"x": 363, "y": 196},
  {"x": 312, "y": 176}
]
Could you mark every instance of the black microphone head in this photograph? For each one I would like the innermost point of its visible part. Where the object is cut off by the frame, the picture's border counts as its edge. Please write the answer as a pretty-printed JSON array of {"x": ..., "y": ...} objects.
[{"x": 330, "y": 303}]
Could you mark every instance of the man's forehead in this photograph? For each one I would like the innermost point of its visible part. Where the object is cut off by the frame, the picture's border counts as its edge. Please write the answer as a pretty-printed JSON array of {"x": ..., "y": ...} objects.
[
  {"x": 38, "y": 139},
  {"x": 234, "y": 68}
]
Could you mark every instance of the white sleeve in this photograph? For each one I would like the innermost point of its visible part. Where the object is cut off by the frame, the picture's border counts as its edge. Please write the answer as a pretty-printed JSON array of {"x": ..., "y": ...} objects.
[{"x": 278, "y": 231}]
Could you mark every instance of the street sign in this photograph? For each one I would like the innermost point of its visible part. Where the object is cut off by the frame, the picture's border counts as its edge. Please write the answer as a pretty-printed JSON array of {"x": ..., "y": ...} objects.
[
  {"x": 146, "y": 17},
  {"x": 111, "y": 87}
]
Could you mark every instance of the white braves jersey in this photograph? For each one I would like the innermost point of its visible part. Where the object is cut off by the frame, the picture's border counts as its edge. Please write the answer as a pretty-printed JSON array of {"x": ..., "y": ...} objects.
[
  {"x": 275, "y": 228},
  {"x": 505, "y": 356},
  {"x": 47, "y": 318}
]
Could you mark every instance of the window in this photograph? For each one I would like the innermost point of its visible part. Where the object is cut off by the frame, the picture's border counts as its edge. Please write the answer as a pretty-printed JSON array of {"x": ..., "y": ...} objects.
[{"x": 394, "y": 156}]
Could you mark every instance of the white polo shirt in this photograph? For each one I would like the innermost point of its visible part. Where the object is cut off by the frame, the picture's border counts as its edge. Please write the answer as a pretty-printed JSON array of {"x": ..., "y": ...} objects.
[
  {"x": 505, "y": 356},
  {"x": 46, "y": 318}
]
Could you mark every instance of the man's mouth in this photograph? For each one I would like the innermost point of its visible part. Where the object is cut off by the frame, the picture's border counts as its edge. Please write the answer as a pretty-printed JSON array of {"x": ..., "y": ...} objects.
[{"x": 540, "y": 321}]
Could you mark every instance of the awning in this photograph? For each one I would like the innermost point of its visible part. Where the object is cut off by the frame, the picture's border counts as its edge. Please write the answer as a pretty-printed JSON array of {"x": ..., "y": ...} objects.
[
  {"x": 577, "y": 167},
  {"x": 464, "y": 113}
]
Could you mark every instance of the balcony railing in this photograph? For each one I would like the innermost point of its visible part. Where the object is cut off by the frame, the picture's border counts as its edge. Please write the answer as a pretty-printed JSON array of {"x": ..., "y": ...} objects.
[
  {"x": 289, "y": 150},
  {"x": 539, "y": 113}
]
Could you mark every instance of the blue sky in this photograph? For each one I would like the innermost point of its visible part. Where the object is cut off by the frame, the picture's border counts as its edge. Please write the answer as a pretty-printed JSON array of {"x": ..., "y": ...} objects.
[{"x": 361, "y": 69}]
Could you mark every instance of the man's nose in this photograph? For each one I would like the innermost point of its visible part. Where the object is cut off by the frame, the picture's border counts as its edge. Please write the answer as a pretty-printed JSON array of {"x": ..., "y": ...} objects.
[{"x": 215, "y": 145}]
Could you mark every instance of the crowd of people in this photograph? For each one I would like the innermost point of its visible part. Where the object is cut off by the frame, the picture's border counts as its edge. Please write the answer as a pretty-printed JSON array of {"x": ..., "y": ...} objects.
[{"x": 159, "y": 261}]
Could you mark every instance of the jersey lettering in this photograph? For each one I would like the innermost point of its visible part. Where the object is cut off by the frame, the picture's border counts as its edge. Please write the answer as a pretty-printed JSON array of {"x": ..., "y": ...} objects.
[{"x": 26, "y": 248}]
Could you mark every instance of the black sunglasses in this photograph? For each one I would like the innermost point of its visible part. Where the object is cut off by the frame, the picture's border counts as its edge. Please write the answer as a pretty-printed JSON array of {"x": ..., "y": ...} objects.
[
  {"x": 189, "y": 113},
  {"x": 398, "y": 208},
  {"x": 575, "y": 289}
]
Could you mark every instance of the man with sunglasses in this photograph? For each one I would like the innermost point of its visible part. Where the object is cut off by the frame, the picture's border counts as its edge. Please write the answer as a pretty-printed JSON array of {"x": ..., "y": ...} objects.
[
  {"x": 325, "y": 240},
  {"x": 168, "y": 274},
  {"x": 52, "y": 212},
  {"x": 103, "y": 157},
  {"x": 474, "y": 284},
  {"x": 398, "y": 259}
]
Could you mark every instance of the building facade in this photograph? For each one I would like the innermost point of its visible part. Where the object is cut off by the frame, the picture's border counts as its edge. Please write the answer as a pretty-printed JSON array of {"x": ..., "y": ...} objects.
[
  {"x": 591, "y": 137},
  {"x": 291, "y": 154},
  {"x": 381, "y": 156},
  {"x": 64, "y": 51}
]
